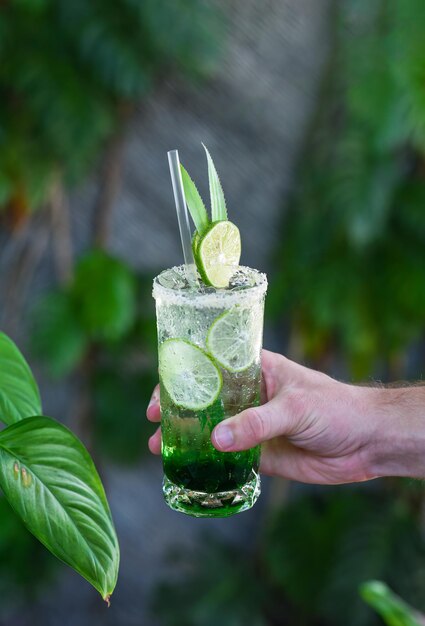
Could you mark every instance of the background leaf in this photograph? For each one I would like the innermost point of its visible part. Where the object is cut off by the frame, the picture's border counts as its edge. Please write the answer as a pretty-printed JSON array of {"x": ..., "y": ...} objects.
[
  {"x": 18, "y": 548},
  {"x": 358, "y": 202},
  {"x": 51, "y": 482},
  {"x": 104, "y": 293},
  {"x": 19, "y": 395},
  {"x": 57, "y": 337},
  {"x": 222, "y": 585},
  {"x": 121, "y": 435},
  {"x": 320, "y": 549},
  {"x": 390, "y": 607}
]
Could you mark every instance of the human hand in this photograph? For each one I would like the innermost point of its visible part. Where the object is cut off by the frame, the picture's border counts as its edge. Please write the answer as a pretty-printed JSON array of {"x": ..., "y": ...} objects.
[{"x": 315, "y": 429}]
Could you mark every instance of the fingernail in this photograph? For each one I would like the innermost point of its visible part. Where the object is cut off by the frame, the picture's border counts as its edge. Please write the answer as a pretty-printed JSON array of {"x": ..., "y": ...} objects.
[{"x": 223, "y": 436}]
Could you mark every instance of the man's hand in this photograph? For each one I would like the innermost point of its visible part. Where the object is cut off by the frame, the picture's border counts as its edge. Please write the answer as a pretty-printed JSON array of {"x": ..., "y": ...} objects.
[
  {"x": 315, "y": 429},
  {"x": 312, "y": 426}
]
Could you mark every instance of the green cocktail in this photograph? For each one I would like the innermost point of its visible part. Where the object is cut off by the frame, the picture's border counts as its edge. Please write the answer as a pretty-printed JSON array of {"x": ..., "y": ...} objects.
[
  {"x": 210, "y": 328},
  {"x": 209, "y": 366}
]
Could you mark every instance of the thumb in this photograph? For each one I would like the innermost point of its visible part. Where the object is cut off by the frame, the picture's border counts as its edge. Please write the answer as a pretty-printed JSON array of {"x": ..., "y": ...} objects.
[{"x": 249, "y": 428}]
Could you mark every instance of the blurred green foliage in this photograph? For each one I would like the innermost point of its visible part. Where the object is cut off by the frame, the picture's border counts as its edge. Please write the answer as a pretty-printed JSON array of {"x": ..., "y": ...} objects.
[
  {"x": 66, "y": 88},
  {"x": 70, "y": 69},
  {"x": 307, "y": 567},
  {"x": 393, "y": 610},
  {"x": 58, "y": 338},
  {"x": 350, "y": 276},
  {"x": 25, "y": 564},
  {"x": 103, "y": 295},
  {"x": 222, "y": 586},
  {"x": 99, "y": 304},
  {"x": 350, "y": 273},
  {"x": 103, "y": 321},
  {"x": 70, "y": 77},
  {"x": 351, "y": 262},
  {"x": 319, "y": 550},
  {"x": 120, "y": 400}
]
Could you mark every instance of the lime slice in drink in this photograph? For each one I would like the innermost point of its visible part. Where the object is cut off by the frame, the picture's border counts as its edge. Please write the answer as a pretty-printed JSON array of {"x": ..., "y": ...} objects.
[
  {"x": 218, "y": 254},
  {"x": 189, "y": 375},
  {"x": 234, "y": 338}
]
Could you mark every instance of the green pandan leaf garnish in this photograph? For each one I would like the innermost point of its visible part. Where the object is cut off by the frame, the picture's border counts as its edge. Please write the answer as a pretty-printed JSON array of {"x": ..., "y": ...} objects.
[
  {"x": 194, "y": 202},
  {"x": 216, "y": 242},
  {"x": 218, "y": 203}
]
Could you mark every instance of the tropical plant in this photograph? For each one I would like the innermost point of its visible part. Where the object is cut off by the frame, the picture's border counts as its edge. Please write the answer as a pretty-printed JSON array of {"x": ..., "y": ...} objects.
[
  {"x": 320, "y": 549},
  {"x": 75, "y": 77},
  {"x": 351, "y": 259},
  {"x": 222, "y": 585},
  {"x": 393, "y": 610},
  {"x": 68, "y": 92},
  {"x": 102, "y": 323},
  {"x": 307, "y": 567},
  {"x": 18, "y": 547},
  {"x": 50, "y": 481},
  {"x": 349, "y": 279}
]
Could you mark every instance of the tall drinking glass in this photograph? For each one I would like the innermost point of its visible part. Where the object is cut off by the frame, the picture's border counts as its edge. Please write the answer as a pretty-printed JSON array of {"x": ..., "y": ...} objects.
[{"x": 209, "y": 347}]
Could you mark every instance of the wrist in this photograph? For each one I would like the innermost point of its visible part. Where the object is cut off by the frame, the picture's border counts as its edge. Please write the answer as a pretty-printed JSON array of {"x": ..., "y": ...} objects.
[{"x": 398, "y": 439}]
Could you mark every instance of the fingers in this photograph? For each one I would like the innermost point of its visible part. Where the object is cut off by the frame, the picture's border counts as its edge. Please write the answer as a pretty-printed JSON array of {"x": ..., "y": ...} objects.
[
  {"x": 155, "y": 442},
  {"x": 251, "y": 427},
  {"x": 153, "y": 412},
  {"x": 272, "y": 366}
]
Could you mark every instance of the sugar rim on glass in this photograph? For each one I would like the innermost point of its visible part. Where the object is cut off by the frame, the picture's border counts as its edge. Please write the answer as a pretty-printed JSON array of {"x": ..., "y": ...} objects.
[{"x": 219, "y": 298}]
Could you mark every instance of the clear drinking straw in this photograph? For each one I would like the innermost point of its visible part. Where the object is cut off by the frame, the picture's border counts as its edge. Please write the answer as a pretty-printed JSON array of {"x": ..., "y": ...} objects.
[{"x": 182, "y": 216}]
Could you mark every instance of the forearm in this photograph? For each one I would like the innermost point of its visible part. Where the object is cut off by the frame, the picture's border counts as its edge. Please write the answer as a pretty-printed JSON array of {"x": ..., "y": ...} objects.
[{"x": 398, "y": 441}]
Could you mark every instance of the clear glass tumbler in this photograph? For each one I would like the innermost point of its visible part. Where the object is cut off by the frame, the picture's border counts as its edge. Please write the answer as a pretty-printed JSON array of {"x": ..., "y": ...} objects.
[{"x": 209, "y": 347}]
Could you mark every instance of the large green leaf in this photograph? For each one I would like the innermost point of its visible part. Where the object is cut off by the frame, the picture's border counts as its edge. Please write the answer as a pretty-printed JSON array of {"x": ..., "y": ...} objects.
[
  {"x": 19, "y": 395},
  {"x": 52, "y": 484}
]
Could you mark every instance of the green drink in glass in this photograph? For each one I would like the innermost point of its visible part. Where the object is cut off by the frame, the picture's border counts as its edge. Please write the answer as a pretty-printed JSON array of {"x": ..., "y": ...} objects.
[
  {"x": 209, "y": 366},
  {"x": 210, "y": 327}
]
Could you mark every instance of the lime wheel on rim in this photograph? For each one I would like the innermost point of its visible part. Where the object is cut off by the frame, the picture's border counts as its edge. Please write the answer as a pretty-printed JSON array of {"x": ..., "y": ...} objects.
[{"x": 218, "y": 252}]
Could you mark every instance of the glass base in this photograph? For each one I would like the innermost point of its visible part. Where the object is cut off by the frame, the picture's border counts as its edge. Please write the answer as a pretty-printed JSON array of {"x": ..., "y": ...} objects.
[{"x": 220, "y": 504}]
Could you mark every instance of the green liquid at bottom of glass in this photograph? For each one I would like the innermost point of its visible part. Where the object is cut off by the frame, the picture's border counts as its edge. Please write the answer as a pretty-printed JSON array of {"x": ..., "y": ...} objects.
[
  {"x": 214, "y": 504},
  {"x": 218, "y": 486}
]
